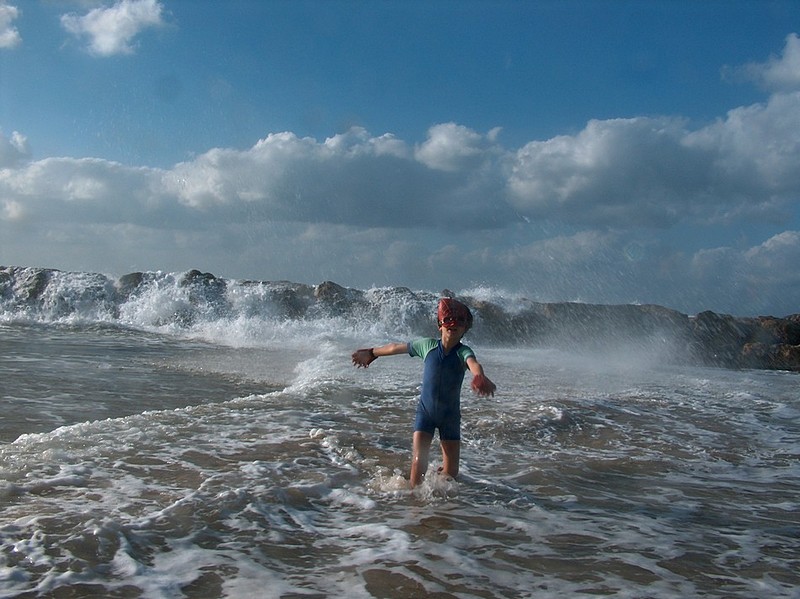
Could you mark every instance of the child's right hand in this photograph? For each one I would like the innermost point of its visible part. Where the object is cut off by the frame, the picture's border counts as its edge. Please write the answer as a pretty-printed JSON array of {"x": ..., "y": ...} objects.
[{"x": 362, "y": 358}]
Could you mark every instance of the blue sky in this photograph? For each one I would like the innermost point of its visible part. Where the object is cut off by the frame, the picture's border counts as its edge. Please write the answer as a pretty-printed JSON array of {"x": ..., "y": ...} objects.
[{"x": 596, "y": 151}]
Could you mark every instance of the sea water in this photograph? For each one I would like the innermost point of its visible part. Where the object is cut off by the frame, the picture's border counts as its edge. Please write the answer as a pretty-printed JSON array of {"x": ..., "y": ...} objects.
[{"x": 243, "y": 456}]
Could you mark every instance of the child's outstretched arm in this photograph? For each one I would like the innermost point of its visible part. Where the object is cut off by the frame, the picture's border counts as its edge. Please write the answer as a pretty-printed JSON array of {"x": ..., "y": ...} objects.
[
  {"x": 480, "y": 382},
  {"x": 362, "y": 358}
]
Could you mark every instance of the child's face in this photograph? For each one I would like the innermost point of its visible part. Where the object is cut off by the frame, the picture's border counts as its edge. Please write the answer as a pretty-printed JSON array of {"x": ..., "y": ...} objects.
[{"x": 453, "y": 331}]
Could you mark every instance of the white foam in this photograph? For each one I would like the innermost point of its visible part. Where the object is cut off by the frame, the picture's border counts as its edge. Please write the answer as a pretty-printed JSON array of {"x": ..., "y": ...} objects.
[
  {"x": 436, "y": 485},
  {"x": 385, "y": 482},
  {"x": 640, "y": 479}
]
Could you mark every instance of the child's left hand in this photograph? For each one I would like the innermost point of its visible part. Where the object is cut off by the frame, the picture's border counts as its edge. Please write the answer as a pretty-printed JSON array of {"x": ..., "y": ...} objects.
[{"x": 483, "y": 386}]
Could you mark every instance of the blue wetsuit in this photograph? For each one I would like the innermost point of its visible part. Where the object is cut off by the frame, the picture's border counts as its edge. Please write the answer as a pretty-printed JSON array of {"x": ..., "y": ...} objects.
[{"x": 440, "y": 400}]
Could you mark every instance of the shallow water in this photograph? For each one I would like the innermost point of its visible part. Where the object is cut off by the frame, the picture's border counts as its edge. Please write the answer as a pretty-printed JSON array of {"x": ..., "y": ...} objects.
[{"x": 147, "y": 465}]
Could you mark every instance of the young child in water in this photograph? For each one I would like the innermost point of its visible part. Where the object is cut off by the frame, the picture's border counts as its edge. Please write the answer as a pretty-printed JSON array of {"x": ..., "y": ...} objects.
[{"x": 446, "y": 360}]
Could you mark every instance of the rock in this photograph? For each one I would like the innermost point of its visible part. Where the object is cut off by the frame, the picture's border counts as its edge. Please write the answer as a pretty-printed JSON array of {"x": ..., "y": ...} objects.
[
  {"x": 195, "y": 277},
  {"x": 717, "y": 339},
  {"x": 335, "y": 300},
  {"x": 32, "y": 282},
  {"x": 286, "y": 299},
  {"x": 773, "y": 330},
  {"x": 785, "y": 357},
  {"x": 779, "y": 356},
  {"x": 128, "y": 285}
]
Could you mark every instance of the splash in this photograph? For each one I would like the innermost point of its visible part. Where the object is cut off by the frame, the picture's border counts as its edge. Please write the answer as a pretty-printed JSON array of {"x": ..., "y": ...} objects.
[{"x": 241, "y": 313}]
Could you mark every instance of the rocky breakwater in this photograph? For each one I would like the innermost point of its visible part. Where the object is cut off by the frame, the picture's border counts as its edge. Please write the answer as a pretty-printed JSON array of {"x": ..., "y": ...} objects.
[
  {"x": 707, "y": 339},
  {"x": 185, "y": 299},
  {"x": 762, "y": 342}
]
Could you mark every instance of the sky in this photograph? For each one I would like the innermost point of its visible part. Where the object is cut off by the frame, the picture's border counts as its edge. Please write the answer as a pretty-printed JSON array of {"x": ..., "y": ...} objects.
[{"x": 607, "y": 152}]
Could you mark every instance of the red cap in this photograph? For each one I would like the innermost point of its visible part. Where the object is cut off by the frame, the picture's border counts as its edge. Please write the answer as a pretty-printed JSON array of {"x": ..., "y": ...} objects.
[{"x": 453, "y": 312}]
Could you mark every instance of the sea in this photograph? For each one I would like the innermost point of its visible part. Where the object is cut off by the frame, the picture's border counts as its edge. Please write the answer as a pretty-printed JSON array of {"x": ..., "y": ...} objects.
[{"x": 153, "y": 445}]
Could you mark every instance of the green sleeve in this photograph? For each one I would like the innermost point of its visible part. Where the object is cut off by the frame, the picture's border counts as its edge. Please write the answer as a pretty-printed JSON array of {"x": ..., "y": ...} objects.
[
  {"x": 420, "y": 347},
  {"x": 465, "y": 352}
]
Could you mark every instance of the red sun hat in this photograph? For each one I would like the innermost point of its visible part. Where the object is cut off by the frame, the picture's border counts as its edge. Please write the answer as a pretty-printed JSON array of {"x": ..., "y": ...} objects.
[{"x": 452, "y": 313}]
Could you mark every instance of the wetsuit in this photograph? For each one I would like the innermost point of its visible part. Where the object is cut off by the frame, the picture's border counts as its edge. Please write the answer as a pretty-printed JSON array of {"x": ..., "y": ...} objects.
[{"x": 440, "y": 400}]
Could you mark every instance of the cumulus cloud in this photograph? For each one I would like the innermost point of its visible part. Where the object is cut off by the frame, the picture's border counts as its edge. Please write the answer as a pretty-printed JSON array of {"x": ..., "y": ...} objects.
[
  {"x": 13, "y": 150},
  {"x": 775, "y": 261},
  {"x": 755, "y": 151},
  {"x": 9, "y": 35},
  {"x": 617, "y": 173},
  {"x": 351, "y": 178},
  {"x": 451, "y": 147},
  {"x": 638, "y": 169},
  {"x": 111, "y": 30},
  {"x": 621, "y": 173},
  {"x": 779, "y": 73},
  {"x": 83, "y": 191},
  {"x": 655, "y": 172},
  {"x": 763, "y": 277},
  {"x": 651, "y": 172}
]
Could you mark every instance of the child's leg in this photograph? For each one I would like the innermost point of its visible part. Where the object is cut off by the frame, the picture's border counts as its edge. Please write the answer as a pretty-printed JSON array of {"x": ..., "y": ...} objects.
[
  {"x": 419, "y": 459},
  {"x": 451, "y": 453}
]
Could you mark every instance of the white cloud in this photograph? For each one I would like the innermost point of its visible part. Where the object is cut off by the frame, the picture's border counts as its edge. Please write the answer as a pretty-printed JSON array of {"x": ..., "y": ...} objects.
[
  {"x": 561, "y": 251},
  {"x": 656, "y": 172},
  {"x": 575, "y": 217},
  {"x": 87, "y": 190},
  {"x": 775, "y": 261},
  {"x": 616, "y": 173},
  {"x": 779, "y": 73},
  {"x": 350, "y": 178},
  {"x": 764, "y": 277},
  {"x": 451, "y": 147},
  {"x": 638, "y": 169},
  {"x": 111, "y": 30},
  {"x": 620, "y": 173},
  {"x": 755, "y": 150},
  {"x": 9, "y": 35},
  {"x": 13, "y": 150}
]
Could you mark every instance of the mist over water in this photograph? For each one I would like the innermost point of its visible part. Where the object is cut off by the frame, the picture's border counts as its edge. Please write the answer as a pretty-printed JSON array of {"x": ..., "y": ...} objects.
[{"x": 178, "y": 444}]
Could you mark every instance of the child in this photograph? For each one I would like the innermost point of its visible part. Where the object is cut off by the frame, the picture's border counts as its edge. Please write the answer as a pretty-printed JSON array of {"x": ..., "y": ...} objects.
[{"x": 439, "y": 404}]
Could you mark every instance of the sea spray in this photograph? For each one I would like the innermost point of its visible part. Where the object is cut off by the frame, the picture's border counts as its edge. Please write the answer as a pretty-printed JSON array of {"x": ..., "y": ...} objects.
[{"x": 257, "y": 313}]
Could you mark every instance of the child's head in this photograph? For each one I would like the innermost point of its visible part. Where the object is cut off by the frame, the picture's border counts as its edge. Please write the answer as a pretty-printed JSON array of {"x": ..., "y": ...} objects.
[{"x": 452, "y": 313}]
